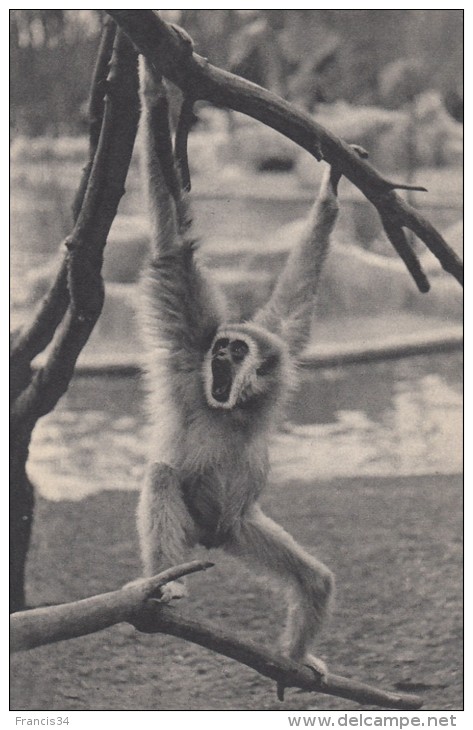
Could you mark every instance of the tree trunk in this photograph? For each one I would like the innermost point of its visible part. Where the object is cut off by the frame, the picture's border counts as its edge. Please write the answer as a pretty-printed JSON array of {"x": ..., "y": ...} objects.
[{"x": 21, "y": 517}]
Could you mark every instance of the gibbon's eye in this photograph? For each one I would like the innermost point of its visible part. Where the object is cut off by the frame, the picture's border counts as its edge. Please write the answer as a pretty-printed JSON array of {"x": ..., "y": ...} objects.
[
  {"x": 239, "y": 350},
  {"x": 220, "y": 345},
  {"x": 268, "y": 365}
]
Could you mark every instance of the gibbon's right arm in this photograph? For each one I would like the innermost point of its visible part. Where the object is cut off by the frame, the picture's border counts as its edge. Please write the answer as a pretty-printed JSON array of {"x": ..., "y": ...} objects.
[
  {"x": 288, "y": 313},
  {"x": 182, "y": 307}
]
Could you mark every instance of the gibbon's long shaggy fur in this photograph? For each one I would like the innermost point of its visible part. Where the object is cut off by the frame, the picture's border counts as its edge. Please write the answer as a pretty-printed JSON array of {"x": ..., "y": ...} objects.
[{"x": 216, "y": 389}]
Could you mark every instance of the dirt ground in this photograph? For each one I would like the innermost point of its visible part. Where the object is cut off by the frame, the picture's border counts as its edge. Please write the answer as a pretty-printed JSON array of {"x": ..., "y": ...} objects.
[{"x": 394, "y": 545}]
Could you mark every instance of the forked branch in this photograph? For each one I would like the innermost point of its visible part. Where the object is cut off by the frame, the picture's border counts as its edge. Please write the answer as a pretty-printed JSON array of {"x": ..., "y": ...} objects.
[
  {"x": 171, "y": 51},
  {"x": 106, "y": 185},
  {"x": 136, "y": 604}
]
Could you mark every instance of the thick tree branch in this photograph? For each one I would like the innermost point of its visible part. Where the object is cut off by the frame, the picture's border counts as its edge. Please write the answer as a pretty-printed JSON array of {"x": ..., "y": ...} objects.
[
  {"x": 136, "y": 604},
  {"x": 169, "y": 50},
  {"x": 38, "y": 334},
  {"x": 33, "y": 339},
  {"x": 48, "y": 624},
  {"x": 86, "y": 243}
]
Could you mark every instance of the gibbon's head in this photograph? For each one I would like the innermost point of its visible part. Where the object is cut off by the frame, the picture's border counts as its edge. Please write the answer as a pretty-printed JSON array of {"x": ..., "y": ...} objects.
[{"x": 243, "y": 367}]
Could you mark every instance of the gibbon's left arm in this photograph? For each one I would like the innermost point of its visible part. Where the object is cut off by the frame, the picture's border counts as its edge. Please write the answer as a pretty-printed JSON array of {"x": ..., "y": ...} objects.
[
  {"x": 288, "y": 312},
  {"x": 182, "y": 307}
]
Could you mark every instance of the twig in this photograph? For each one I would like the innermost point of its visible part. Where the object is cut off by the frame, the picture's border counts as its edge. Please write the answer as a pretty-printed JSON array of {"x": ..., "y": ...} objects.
[
  {"x": 164, "y": 46},
  {"x": 186, "y": 119},
  {"x": 86, "y": 243},
  {"x": 48, "y": 624},
  {"x": 403, "y": 247}
]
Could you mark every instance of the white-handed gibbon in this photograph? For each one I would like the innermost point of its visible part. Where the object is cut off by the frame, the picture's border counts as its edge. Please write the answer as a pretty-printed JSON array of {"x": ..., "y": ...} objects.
[{"x": 217, "y": 388}]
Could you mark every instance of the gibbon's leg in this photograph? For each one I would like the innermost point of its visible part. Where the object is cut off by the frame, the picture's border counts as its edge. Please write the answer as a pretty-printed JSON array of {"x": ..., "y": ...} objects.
[
  {"x": 165, "y": 528},
  {"x": 260, "y": 539}
]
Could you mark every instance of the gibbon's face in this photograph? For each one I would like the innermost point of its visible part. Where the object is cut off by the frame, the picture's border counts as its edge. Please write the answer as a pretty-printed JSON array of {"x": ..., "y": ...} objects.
[{"x": 242, "y": 365}]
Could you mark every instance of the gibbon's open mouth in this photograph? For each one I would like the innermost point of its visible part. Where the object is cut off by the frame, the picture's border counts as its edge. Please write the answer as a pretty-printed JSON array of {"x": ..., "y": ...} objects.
[{"x": 221, "y": 380}]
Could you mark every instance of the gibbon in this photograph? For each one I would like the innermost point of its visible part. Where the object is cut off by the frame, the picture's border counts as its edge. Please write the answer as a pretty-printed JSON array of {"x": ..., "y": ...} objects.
[{"x": 217, "y": 387}]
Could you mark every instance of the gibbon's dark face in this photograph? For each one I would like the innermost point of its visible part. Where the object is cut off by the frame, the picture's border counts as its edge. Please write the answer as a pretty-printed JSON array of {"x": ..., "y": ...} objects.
[
  {"x": 227, "y": 356},
  {"x": 243, "y": 363}
]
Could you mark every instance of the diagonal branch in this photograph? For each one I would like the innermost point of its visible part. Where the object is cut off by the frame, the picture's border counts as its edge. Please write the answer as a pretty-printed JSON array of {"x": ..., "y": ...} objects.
[
  {"x": 136, "y": 604},
  {"x": 87, "y": 241},
  {"x": 165, "y": 619},
  {"x": 96, "y": 105},
  {"x": 172, "y": 51}
]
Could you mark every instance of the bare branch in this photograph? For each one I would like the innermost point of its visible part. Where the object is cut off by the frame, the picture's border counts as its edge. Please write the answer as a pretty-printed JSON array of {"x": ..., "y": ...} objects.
[
  {"x": 416, "y": 222},
  {"x": 165, "y": 47},
  {"x": 399, "y": 240},
  {"x": 136, "y": 603},
  {"x": 86, "y": 243}
]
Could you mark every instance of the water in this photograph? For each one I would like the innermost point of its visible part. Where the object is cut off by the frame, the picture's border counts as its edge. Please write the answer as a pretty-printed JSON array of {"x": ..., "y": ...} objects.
[{"x": 391, "y": 418}]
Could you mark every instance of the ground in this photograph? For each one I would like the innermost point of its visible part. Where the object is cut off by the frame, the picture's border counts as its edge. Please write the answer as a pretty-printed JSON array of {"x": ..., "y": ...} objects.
[{"x": 395, "y": 547}]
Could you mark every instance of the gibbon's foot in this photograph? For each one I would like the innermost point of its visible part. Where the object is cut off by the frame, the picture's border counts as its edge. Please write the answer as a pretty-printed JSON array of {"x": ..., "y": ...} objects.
[
  {"x": 318, "y": 666},
  {"x": 172, "y": 591}
]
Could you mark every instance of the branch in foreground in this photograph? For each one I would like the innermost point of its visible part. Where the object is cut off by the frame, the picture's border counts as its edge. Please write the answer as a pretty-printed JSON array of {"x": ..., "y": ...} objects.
[
  {"x": 136, "y": 604},
  {"x": 166, "y": 620},
  {"x": 46, "y": 625},
  {"x": 169, "y": 50}
]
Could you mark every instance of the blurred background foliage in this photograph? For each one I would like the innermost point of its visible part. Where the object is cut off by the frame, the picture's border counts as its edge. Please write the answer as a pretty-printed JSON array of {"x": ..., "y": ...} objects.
[{"x": 308, "y": 56}]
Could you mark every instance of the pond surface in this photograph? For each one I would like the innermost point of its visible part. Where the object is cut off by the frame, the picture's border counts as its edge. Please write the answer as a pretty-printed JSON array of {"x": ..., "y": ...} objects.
[{"x": 395, "y": 418}]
